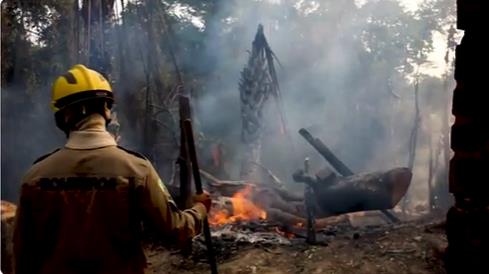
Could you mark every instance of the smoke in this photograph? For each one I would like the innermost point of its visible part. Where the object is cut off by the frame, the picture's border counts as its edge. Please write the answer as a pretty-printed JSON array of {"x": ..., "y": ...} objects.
[
  {"x": 344, "y": 76},
  {"x": 28, "y": 132},
  {"x": 345, "y": 73}
]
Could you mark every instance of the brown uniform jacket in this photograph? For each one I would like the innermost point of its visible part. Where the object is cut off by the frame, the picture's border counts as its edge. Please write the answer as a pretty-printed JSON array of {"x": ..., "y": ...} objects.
[{"x": 81, "y": 208}]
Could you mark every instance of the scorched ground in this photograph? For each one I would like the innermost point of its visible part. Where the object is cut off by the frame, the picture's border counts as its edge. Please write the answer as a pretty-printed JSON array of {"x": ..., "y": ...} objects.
[{"x": 412, "y": 247}]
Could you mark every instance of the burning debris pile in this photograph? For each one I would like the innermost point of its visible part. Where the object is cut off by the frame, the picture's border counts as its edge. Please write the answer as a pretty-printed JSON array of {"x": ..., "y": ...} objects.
[
  {"x": 247, "y": 214},
  {"x": 229, "y": 238},
  {"x": 238, "y": 202},
  {"x": 242, "y": 209},
  {"x": 258, "y": 215},
  {"x": 232, "y": 235}
]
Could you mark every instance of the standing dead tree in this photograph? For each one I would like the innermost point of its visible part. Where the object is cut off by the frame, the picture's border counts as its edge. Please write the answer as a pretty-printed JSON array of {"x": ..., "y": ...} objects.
[
  {"x": 258, "y": 81},
  {"x": 442, "y": 185},
  {"x": 414, "y": 137},
  {"x": 414, "y": 132},
  {"x": 431, "y": 198},
  {"x": 95, "y": 14}
]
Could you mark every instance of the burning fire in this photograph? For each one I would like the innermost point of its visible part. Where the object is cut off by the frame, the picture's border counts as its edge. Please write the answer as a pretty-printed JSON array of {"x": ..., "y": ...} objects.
[
  {"x": 285, "y": 234},
  {"x": 243, "y": 209}
]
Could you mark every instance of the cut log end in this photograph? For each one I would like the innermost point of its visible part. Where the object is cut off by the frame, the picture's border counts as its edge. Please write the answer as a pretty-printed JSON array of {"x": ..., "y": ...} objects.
[{"x": 401, "y": 179}]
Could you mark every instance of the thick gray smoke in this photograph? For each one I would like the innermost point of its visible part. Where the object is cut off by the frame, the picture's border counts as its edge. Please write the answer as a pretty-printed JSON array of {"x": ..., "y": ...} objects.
[
  {"x": 344, "y": 77},
  {"x": 345, "y": 74}
]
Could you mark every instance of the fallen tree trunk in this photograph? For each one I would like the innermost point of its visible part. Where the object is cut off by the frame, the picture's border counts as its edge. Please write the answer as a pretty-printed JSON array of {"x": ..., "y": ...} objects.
[
  {"x": 361, "y": 192},
  {"x": 395, "y": 188},
  {"x": 224, "y": 205},
  {"x": 333, "y": 196}
]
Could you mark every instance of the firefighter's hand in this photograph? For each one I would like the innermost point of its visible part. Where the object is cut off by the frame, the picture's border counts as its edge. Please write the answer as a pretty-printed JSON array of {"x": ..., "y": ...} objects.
[{"x": 203, "y": 198}]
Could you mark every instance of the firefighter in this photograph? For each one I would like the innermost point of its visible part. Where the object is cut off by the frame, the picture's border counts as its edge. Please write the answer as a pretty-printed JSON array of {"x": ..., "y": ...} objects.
[{"x": 82, "y": 206}]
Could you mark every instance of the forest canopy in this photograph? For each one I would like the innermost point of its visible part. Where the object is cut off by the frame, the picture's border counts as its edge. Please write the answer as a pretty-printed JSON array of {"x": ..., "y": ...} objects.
[{"x": 348, "y": 71}]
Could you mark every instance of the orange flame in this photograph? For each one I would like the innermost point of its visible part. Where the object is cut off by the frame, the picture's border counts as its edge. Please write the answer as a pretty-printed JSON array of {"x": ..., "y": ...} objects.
[
  {"x": 243, "y": 209},
  {"x": 284, "y": 234}
]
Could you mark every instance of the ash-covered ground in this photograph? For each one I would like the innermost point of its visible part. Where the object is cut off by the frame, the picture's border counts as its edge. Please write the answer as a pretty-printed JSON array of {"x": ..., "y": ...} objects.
[{"x": 409, "y": 247}]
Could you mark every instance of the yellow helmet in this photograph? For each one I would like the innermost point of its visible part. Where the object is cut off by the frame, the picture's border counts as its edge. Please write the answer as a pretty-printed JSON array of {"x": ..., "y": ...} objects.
[{"x": 79, "y": 84}]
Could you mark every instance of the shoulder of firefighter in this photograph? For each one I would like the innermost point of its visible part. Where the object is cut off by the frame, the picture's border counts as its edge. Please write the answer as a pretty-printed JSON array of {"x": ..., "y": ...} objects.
[
  {"x": 154, "y": 200},
  {"x": 44, "y": 156},
  {"x": 93, "y": 196}
]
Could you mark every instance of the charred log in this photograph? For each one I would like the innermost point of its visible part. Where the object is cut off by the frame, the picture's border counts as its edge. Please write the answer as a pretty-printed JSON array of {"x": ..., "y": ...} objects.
[
  {"x": 345, "y": 171},
  {"x": 371, "y": 191},
  {"x": 361, "y": 192}
]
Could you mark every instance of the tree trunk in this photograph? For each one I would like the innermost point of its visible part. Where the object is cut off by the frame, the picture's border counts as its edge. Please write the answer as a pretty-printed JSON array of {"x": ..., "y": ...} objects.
[
  {"x": 413, "y": 139},
  {"x": 95, "y": 14},
  {"x": 257, "y": 83},
  {"x": 431, "y": 198}
]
